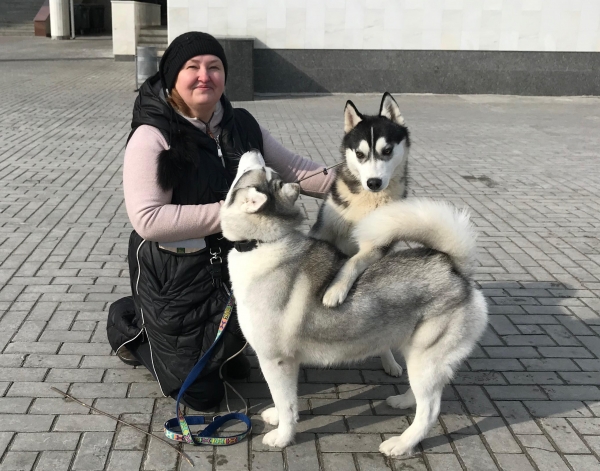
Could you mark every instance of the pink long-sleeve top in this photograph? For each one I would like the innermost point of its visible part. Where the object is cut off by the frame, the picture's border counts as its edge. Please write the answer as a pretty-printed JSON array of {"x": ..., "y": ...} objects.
[{"x": 149, "y": 207}]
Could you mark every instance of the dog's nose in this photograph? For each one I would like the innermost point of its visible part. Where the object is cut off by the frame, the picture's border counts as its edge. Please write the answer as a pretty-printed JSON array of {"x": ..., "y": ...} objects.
[{"x": 374, "y": 184}]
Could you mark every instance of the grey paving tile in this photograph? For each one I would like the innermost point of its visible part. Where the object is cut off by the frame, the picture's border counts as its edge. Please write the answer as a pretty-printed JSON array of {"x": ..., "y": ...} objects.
[
  {"x": 120, "y": 460},
  {"x": 84, "y": 423},
  {"x": 551, "y": 461},
  {"x": 557, "y": 409},
  {"x": 546, "y": 377},
  {"x": 54, "y": 461},
  {"x": 473, "y": 452},
  {"x": 515, "y": 392},
  {"x": 377, "y": 424},
  {"x": 302, "y": 455},
  {"x": 14, "y": 405},
  {"x": 346, "y": 407},
  {"x": 349, "y": 443},
  {"x": 497, "y": 435},
  {"x": 337, "y": 461},
  {"x": 445, "y": 462},
  {"x": 376, "y": 462},
  {"x": 19, "y": 461},
  {"x": 513, "y": 462},
  {"x": 48, "y": 441},
  {"x": 566, "y": 393},
  {"x": 563, "y": 435},
  {"x": 583, "y": 462},
  {"x": 536, "y": 441},
  {"x": 518, "y": 418},
  {"x": 25, "y": 423},
  {"x": 476, "y": 400},
  {"x": 547, "y": 364},
  {"x": 93, "y": 452}
]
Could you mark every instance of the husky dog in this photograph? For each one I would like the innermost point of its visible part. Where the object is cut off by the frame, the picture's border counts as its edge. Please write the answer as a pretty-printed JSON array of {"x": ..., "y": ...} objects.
[
  {"x": 421, "y": 301},
  {"x": 374, "y": 173}
]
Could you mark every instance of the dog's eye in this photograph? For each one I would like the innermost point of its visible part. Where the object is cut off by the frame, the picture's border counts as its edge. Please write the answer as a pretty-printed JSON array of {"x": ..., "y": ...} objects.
[
  {"x": 387, "y": 151},
  {"x": 359, "y": 154}
]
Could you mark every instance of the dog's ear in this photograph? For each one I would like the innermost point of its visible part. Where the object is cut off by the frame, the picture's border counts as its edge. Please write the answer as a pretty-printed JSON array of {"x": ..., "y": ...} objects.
[
  {"x": 390, "y": 109},
  {"x": 351, "y": 117},
  {"x": 253, "y": 200}
]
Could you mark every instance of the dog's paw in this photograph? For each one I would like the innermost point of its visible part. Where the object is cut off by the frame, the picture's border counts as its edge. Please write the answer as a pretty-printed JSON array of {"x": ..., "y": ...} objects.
[
  {"x": 335, "y": 295},
  {"x": 396, "y": 448},
  {"x": 393, "y": 369},
  {"x": 270, "y": 416},
  {"x": 274, "y": 438},
  {"x": 402, "y": 401}
]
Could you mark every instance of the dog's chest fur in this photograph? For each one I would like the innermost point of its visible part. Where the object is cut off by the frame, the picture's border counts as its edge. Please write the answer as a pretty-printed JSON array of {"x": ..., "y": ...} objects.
[{"x": 347, "y": 203}]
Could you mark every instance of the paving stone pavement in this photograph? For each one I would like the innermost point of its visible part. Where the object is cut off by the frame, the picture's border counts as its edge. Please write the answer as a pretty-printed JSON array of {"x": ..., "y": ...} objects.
[{"x": 528, "y": 397}]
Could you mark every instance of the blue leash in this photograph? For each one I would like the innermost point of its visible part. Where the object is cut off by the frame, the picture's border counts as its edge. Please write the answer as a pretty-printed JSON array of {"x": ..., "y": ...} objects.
[{"x": 178, "y": 428}]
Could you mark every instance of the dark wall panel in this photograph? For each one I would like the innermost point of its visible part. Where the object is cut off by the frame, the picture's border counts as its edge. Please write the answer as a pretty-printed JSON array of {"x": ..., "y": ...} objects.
[{"x": 469, "y": 72}]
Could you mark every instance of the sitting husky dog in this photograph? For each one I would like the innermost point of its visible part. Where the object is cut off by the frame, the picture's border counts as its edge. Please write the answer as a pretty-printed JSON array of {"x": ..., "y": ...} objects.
[
  {"x": 375, "y": 172},
  {"x": 421, "y": 301}
]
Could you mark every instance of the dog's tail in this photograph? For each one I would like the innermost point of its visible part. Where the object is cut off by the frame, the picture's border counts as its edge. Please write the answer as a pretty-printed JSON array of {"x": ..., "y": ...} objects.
[{"x": 434, "y": 224}]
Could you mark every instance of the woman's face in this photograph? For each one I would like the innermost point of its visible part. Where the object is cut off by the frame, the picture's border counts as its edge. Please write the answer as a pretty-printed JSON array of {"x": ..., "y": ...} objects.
[{"x": 201, "y": 81}]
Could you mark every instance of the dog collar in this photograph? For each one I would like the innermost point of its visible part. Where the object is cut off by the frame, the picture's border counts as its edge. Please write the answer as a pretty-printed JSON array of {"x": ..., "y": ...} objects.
[{"x": 245, "y": 245}]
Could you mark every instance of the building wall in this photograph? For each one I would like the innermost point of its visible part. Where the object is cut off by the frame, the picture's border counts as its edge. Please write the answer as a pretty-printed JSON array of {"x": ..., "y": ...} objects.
[
  {"x": 480, "y": 25},
  {"x": 523, "y": 47}
]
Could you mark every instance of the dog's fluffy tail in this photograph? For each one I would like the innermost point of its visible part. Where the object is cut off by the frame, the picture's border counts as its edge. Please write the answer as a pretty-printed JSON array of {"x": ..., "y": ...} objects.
[{"x": 435, "y": 224}]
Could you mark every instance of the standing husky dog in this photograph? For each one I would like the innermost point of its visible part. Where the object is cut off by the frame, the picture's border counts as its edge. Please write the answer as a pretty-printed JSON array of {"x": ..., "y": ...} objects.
[
  {"x": 375, "y": 172},
  {"x": 421, "y": 301}
]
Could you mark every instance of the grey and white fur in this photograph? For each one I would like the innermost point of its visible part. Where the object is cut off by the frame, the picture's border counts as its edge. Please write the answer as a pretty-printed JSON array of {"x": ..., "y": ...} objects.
[
  {"x": 421, "y": 301},
  {"x": 374, "y": 172}
]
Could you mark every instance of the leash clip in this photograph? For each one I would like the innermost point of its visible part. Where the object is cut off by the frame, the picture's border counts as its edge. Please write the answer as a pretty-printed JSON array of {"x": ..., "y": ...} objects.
[{"x": 215, "y": 256}]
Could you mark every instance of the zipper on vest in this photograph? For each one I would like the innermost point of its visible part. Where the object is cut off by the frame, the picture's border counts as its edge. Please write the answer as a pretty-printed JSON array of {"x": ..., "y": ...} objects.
[{"x": 216, "y": 139}]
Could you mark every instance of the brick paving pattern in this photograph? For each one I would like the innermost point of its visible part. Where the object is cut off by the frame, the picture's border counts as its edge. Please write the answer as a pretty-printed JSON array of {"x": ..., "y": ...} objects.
[{"x": 528, "y": 397}]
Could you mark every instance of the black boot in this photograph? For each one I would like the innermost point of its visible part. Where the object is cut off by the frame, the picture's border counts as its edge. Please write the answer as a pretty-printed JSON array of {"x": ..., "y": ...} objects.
[{"x": 127, "y": 357}]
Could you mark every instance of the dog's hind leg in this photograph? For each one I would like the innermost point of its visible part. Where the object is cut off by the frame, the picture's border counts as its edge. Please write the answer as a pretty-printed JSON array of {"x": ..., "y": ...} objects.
[
  {"x": 390, "y": 365},
  {"x": 354, "y": 267},
  {"x": 282, "y": 377},
  {"x": 427, "y": 380}
]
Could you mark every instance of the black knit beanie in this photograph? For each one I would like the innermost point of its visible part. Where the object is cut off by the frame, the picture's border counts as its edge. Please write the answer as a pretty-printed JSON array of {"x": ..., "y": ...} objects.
[{"x": 182, "y": 49}]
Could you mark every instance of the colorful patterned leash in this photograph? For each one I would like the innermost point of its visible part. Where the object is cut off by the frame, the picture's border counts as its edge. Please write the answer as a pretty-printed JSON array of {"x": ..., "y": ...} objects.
[{"x": 178, "y": 428}]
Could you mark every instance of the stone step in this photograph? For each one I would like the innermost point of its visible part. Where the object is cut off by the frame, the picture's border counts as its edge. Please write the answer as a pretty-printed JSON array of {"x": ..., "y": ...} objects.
[
  {"x": 16, "y": 29},
  {"x": 156, "y": 31},
  {"x": 151, "y": 42},
  {"x": 17, "y": 11}
]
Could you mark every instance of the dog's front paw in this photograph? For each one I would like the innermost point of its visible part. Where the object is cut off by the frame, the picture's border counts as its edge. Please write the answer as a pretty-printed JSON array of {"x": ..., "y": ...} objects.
[
  {"x": 335, "y": 295},
  {"x": 395, "y": 447},
  {"x": 274, "y": 438},
  {"x": 270, "y": 416},
  {"x": 401, "y": 401}
]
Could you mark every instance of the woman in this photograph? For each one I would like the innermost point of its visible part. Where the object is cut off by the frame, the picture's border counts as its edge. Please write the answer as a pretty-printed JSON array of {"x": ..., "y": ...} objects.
[{"x": 180, "y": 159}]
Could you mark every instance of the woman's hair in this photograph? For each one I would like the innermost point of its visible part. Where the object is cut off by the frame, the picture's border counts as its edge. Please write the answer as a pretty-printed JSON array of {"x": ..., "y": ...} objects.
[{"x": 179, "y": 104}]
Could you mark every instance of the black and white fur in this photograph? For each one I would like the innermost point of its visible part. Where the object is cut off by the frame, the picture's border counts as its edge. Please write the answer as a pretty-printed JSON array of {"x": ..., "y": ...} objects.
[
  {"x": 421, "y": 301},
  {"x": 374, "y": 173}
]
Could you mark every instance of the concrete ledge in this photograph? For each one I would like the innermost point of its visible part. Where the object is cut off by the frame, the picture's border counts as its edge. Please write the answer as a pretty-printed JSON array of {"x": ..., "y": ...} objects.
[
  {"x": 124, "y": 58},
  {"x": 452, "y": 72}
]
